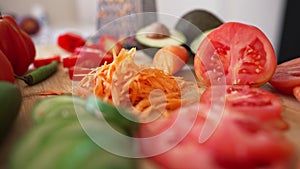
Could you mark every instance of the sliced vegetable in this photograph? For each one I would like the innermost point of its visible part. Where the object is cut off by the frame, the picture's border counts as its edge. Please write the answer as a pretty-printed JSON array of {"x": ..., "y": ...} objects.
[
  {"x": 38, "y": 62},
  {"x": 287, "y": 76},
  {"x": 57, "y": 107},
  {"x": 248, "y": 101},
  {"x": 114, "y": 115},
  {"x": 87, "y": 57},
  {"x": 237, "y": 141},
  {"x": 78, "y": 73},
  {"x": 171, "y": 58},
  {"x": 40, "y": 74},
  {"x": 235, "y": 53},
  {"x": 109, "y": 44},
  {"x": 70, "y": 41},
  {"x": 60, "y": 138}
]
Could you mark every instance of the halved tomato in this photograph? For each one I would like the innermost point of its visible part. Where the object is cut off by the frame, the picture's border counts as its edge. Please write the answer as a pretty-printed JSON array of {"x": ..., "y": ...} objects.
[
  {"x": 235, "y": 53},
  {"x": 246, "y": 100},
  {"x": 287, "y": 76}
]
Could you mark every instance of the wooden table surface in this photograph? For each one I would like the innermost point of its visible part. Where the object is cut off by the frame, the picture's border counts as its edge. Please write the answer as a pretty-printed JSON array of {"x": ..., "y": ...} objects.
[{"x": 60, "y": 81}]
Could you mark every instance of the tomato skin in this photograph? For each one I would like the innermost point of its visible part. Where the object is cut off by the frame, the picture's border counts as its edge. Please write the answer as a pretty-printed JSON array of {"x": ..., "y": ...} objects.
[
  {"x": 287, "y": 76},
  {"x": 171, "y": 58},
  {"x": 16, "y": 45},
  {"x": 6, "y": 70},
  {"x": 70, "y": 41},
  {"x": 45, "y": 61},
  {"x": 235, "y": 53}
]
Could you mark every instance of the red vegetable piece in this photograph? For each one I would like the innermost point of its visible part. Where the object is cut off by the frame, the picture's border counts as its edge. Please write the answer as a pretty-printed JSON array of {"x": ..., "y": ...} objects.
[
  {"x": 109, "y": 44},
  {"x": 16, "y": 45},
  {"x": 38, "y": 62},
  {"x": 249, "y": 101},
  {"x": 287, "y": 76},
  {"x": 235, "y": 53},
  {"x": 70, "y": 41},
  {"x": 77, "y": 73},
  {"x": 6, "y": 70}
]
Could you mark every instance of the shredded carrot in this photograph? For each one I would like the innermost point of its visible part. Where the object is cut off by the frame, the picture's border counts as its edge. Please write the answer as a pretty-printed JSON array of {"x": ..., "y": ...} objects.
[{"x": 143, "y": 89}]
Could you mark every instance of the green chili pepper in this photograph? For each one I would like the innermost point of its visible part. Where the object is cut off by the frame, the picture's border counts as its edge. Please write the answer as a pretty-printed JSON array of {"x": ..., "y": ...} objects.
[{"x": 39, "y": 74}]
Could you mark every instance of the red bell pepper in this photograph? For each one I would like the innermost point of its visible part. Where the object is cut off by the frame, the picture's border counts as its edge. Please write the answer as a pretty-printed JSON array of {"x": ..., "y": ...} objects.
[
  {"x": 16, "y": 45},
  {"x": 77, "y": 73},
  {"x": 6, "y": 70},
  {"x": 70, "y": 41},
  {"x": 45, "y": 61},
  {"x": 109, "y": 44},
  {"x": 88, "y": 58}
]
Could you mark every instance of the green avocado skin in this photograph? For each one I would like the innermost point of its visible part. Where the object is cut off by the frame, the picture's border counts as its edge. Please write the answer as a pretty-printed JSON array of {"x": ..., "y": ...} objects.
[{"x": 10, "y": 103}]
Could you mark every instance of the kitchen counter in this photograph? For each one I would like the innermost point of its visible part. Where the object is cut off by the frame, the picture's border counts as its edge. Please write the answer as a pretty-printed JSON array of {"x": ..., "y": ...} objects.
[{"x": 61, "y": 82}]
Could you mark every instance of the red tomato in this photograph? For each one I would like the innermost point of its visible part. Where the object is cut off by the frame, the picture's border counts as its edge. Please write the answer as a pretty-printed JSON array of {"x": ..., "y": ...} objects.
[
  {"x": 6, "y": 70},
  {"x": 38, "y": 62},
  {"x": 250, "y": 101},
  {"x": 171, "y": 58},
  {"x": 237, "y": 142},
  {"x": 235, "y": 53},
  {"x": 287, "y": 76},
  {"x": 70, "y": 41},
  {"x": 109, "y": 44},
  {"x": 77, "y": 73}
]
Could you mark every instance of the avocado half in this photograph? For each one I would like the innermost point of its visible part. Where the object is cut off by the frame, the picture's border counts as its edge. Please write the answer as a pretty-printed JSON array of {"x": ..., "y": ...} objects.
[
  {"x": 166, "y": 36},
  {"x": 195, "y": 22}
]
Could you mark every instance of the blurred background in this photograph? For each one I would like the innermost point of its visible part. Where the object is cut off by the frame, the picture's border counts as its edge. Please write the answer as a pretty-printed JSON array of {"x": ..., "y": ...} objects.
[{"x": 81, "y": 15}]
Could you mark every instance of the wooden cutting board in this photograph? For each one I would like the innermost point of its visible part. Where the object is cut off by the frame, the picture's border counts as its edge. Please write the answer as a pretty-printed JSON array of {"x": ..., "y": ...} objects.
[{"x": 61, "y": 82}]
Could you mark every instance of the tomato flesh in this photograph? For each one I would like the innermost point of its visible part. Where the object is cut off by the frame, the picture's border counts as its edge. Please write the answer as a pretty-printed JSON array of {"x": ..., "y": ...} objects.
[
  {"x": 237, "y": 142},
  {"x": 235, "y": 53},
  {"x": 244, "y": 99},
  {"x": 287, "y": 76}
]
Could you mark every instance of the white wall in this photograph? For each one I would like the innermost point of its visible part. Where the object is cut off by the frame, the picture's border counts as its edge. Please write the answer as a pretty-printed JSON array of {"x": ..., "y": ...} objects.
[{"x": 265, "y": 14}]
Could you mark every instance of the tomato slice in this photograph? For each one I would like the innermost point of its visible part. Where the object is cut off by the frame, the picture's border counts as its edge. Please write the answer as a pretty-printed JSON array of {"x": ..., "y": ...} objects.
[
  {"x": 235, "y": 53},
  {"x": 38, "y": 62},
  {"x": 244, "y": 99},
  {"x": 237, "y": 142},
  {"x": 287, "y": 76}
]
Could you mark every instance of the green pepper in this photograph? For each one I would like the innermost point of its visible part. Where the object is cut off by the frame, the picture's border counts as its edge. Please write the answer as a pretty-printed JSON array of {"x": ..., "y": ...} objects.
[{"x": 39, "y": 74}]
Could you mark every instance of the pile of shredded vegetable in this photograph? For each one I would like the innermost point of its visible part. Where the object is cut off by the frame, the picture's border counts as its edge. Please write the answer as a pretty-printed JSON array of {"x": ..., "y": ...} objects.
[{"x": 145, "y": 90}]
